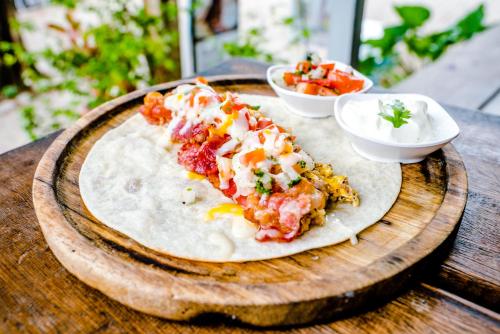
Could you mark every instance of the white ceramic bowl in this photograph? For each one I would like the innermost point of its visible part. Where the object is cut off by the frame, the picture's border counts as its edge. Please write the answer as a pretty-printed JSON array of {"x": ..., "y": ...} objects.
[
  {"x": 305, "y": 105},
  {"x": 384, "y": 151}
]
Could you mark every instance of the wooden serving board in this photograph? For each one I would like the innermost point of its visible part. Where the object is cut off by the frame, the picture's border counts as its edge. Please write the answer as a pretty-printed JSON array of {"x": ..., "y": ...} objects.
[{"x": 312, "y": 285}]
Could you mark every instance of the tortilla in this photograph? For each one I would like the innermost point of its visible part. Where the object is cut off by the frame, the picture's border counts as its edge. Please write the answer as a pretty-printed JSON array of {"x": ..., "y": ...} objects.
[{"x": 132, "y": 184}]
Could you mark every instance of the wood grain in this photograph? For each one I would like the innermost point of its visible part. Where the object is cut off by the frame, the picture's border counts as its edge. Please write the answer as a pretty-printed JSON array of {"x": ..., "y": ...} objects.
[
  {"x": 472, "y": 269},
  {"x": 39, "y": 296},
  {"x": 313, "y": 285}
]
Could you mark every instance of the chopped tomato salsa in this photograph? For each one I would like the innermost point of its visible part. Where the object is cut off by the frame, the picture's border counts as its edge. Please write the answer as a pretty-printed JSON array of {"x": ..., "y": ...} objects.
[{"x": 315, "y": 78}]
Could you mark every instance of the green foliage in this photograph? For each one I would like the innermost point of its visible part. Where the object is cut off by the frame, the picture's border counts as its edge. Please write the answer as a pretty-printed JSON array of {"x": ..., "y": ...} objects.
[
  {"x": 29, "y": 121},
  {"x": 396, "y": 113},
  {"x": 9, "y": 91},
  {"x": 126, "y": 50},
  {"x": 385, "y": 63},
  {"x": 250, "y": 44},
  {"x": 413, "y": 16},
  {"x": 249, "y": 47}
]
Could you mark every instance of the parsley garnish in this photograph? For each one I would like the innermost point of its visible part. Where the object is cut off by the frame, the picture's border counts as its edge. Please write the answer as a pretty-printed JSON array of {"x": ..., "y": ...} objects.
[
  {"x": 398, "y": 114},
  {"x": 302, "y": 164},
  {"x": 258, "y": 173},
  {"x": 255, "y": 107},
  {"x": 294, "y": 182},
  {"x": 259, "y": 186}
]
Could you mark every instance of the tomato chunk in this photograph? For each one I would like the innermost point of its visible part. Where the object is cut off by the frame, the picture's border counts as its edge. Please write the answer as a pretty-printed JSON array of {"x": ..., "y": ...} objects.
[
  {"x": 202, "y": 80},
  {"x": 328, "y": 67},
  {"x": 308, "y": 88},
  {"x": 344, "y": 82},
  {"x": 290, "y": 78},
  {"x": 304, "y": 66},
  {"x": 253, "y": 157},
  {"x": 153, "y": 109}
]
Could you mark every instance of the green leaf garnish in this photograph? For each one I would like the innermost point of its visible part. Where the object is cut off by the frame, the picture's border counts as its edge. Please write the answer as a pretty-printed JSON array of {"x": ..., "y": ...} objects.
[
  {"x": 258, "y": 173},
  {"x": 294, "y": 182},
  {"x": 260, "y": 188},
  {"x": 396, "y": 113},
  {"x": 255, "y": 107},
  {"x": 302, "y": 164}
]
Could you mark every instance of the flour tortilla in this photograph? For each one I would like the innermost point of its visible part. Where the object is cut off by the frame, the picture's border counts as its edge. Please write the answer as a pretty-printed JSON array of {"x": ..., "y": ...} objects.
[{"x": 132, "y": 184}]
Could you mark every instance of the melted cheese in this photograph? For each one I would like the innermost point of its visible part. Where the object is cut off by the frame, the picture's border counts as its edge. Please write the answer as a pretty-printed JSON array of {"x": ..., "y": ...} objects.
[
  {"x": 224, "y": 209},
  {"x": 194, "y": 176}
]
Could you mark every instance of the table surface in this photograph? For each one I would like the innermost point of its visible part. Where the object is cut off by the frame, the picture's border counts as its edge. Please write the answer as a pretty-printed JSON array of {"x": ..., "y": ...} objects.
[{"x": 458, "y": 293}]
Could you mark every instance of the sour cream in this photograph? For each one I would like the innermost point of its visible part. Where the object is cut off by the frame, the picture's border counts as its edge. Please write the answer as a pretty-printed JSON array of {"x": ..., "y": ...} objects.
[{"x": 362, "y": 116}]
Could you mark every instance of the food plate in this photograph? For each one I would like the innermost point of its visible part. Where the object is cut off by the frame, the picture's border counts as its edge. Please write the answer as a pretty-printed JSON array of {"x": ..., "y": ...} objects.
[{"x": 300, "y": 288}]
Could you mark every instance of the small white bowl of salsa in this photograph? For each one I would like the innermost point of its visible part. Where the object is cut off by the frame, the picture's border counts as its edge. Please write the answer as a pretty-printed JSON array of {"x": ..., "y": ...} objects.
[{"x": 306, "y": 97}]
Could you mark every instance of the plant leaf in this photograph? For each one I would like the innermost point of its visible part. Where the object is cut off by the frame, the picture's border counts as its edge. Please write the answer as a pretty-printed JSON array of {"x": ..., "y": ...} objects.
[
  {"x": 472, "y": 23},
  {"x": 392, "y": 35},
  {"x": 413, "y": 16},
  {"x": 398, "y": 113}
]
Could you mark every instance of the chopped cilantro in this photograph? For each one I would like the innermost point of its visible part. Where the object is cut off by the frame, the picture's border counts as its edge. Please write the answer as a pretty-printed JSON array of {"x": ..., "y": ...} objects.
[
  {"x": 397, "y": 115},
  {"x": 302, "y": 164},
  {"x": 294, "y": 182},
  {"x": 255, "y": 107},
  {"x": 259, "y": 186},
  {"x": 258, "y": 173}
]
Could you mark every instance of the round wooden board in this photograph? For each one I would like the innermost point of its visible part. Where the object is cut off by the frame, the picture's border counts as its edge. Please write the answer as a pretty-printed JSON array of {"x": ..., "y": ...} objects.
[{"x": 312, "y": 285}]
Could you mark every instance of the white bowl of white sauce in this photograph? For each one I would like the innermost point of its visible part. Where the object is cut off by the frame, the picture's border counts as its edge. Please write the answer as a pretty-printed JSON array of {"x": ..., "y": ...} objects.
[
  {"x": 428, "y": 126},
  {"x": 311, "y": 106}
]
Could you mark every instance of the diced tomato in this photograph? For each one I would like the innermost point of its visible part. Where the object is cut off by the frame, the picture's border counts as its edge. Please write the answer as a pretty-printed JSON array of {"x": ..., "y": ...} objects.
[
  {"x": 344, "y": 82},
  {"x": 304, "y": 66},
  {"x": 320, "y": 82},
  {"x": 307, "y": 88},
  {"x": 203, "y": 100},
  {"x": 153, "y": 109},
  {"x": 230, "y": 106},
  {"x": 263, "y": 123},
  {"x": 281, "y": 129},
  {"x": 290, "y": 78},
  {"x": 328, "y": 67},
  {"x": 262, "y": 138},
  {"x": 153, "y": 98},
  {"x": 253, "y": 157},
  {"x": 325, "y": 91},
  {"x": 231, "y": 190},
  {"x": 202, "y": 80}
]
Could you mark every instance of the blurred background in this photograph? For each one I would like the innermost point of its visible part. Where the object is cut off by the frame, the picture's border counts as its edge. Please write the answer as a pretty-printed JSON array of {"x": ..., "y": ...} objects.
[{"x": 61, "y": 58}]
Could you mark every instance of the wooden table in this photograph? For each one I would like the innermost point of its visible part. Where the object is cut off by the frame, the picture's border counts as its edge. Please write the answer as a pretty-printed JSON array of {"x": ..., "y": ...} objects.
[{"x": 458, "y": 293}]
